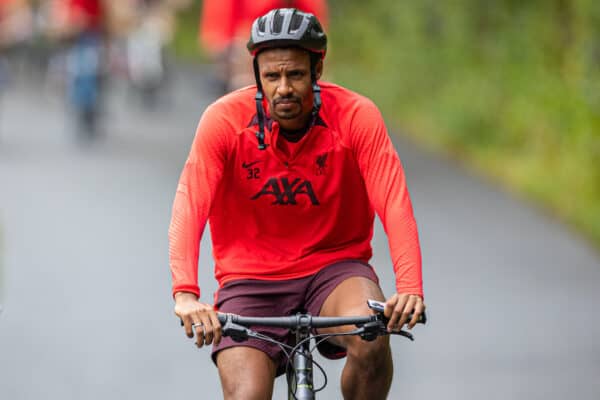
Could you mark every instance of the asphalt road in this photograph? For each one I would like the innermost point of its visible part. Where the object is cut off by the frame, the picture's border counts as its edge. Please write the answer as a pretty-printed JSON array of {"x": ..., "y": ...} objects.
[{"x": 85, "y": 291}]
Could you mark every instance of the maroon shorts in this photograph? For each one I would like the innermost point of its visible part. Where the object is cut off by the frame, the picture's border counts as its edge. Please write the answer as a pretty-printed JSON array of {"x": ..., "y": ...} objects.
[{"x": 259, "y": 298}]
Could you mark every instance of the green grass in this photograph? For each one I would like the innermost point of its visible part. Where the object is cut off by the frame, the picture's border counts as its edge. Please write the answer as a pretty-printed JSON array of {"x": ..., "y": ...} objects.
[{"x": 511, "y": 89}]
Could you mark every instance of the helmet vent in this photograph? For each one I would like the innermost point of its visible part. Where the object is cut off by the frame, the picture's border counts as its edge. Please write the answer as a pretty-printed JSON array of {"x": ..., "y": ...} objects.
[
  {"x": 277, "y": 23},
  {"x": 262, "y": 24},
  {"x": 296, "y": 22}
]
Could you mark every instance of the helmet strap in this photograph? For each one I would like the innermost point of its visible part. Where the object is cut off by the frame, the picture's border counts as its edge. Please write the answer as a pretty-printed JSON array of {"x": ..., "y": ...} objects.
[
  {"x": 260, "y": 110},
  {"x": 314, "y": 60}
]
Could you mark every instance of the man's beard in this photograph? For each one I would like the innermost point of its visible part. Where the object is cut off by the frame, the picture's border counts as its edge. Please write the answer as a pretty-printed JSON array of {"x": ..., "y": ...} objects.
[{"x": 290, "y": 113}]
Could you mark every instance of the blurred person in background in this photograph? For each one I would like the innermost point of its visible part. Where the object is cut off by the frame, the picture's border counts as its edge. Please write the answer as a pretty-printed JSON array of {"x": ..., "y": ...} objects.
[
  {"x": 16, "y": 23},
  {"x": 104, "y": 39},
  {"x": 80, "y": 27},
  {"x": 289, "y": 174},
  {"x": 146, "y": 45},
  {"x": 3, "y": 73},
  {"x": 224, "y": 25},
  {"x": 140, "y": 31},
  {"x": 16, "y": 32},
  {"x": 3, "y": 66}
]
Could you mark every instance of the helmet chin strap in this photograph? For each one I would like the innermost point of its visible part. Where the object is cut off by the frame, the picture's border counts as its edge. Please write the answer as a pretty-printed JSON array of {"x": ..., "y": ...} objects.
[
  {"x": 260, "y": 110},
  {"x": 315, "y": 87},
  {"x": 258, "y": 98}
]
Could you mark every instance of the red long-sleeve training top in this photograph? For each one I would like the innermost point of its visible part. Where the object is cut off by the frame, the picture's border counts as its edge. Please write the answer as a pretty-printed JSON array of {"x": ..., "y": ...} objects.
[{"x": 294, "y": 208}]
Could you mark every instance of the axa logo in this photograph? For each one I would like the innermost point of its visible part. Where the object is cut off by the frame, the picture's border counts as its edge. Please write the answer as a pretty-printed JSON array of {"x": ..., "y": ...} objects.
[{"x": 285, "y": 192}]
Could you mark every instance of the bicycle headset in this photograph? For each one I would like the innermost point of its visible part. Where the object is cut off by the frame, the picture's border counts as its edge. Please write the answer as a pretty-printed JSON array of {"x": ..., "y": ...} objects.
[{"x": 281, "y": 28}]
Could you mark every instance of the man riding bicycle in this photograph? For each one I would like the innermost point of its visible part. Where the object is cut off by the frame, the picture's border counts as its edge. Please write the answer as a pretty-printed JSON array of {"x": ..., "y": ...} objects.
[{"x": 290, "y": 173}]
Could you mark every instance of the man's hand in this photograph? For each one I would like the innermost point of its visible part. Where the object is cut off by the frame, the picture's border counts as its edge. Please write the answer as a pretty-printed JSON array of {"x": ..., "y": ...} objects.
[
  {"x": 399, "y": 308},
  {"x": 199, "y": 318}
]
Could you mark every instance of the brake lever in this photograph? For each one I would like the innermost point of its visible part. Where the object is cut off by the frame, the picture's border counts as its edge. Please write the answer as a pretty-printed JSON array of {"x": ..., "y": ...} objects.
[
  {"x": 237, "y": 333},
  {"x": 407, "y": 335},
  {"x": 371, "y": 330}
]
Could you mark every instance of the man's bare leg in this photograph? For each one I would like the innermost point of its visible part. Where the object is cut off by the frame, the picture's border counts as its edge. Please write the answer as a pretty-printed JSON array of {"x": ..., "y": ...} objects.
[
  {"x": 368, "y": 371},
  {"x": 246, "y": 373}
]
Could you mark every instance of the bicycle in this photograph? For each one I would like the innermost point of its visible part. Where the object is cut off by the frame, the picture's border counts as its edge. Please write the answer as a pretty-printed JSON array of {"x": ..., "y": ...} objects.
[{"x": 299, "y": 368}]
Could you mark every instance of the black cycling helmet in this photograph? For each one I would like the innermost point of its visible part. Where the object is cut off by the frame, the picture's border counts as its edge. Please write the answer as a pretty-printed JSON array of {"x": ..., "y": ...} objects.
[{"x": 286, "y": 27}]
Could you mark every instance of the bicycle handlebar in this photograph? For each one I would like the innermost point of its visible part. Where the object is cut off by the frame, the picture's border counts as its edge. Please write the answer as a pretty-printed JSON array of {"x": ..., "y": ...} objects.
[
  {"x": 296, "y": 321},
  {"x": 368, "y": 327},
  {"x": 303, "y": 320},
  {"x": 308, "y": 321}
]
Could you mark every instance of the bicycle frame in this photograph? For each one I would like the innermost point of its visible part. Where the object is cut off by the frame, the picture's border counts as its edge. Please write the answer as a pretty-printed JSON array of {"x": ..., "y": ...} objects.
[{"x": 300, "y": 377}]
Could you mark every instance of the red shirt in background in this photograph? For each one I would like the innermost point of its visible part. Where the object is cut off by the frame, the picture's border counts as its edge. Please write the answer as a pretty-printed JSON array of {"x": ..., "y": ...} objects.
[
  {"x": 82, "y": 14},
  {"x": 223, "y": 20}
]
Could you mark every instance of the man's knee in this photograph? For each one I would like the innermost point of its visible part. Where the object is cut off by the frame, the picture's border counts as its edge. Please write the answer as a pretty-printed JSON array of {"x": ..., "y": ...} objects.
[
  {"x": 369, "y": 370},
  {"x": 246, "y": 373},
  {"x": 350, "y": 297},
  {"x": 369, "y": 355}
]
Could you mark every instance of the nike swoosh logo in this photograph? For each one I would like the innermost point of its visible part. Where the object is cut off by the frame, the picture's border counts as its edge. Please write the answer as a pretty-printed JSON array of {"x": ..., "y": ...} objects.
[{"x": 248, "y": 165}]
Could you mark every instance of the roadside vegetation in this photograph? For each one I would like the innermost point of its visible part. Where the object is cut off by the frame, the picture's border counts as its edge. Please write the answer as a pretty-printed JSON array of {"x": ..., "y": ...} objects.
[{"x": 510, "y": 88}]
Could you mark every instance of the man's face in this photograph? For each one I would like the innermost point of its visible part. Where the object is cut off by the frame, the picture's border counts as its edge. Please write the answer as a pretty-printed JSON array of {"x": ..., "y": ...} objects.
[{"x": 285, "y": 78}]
